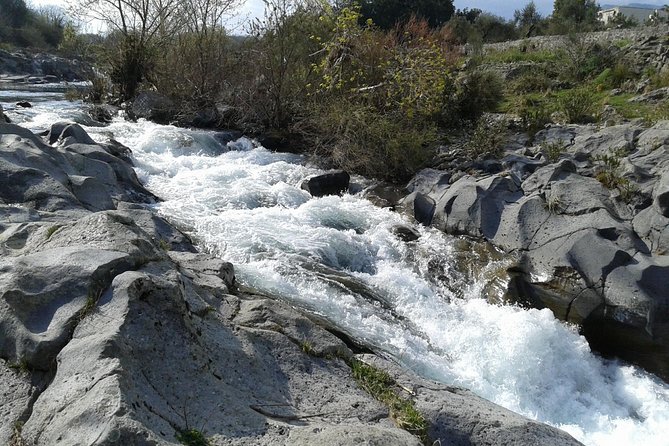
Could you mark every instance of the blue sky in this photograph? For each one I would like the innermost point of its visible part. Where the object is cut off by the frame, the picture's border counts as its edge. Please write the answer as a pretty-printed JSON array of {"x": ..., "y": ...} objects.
[{"x": 502, "y": 8}]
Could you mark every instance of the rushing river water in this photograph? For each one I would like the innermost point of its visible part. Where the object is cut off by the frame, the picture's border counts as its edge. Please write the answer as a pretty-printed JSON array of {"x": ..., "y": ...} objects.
[{"x": 339, "y": 258}]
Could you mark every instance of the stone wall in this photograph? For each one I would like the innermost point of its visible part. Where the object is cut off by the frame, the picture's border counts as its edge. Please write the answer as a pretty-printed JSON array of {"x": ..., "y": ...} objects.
[{"x": 555, "y": 42}]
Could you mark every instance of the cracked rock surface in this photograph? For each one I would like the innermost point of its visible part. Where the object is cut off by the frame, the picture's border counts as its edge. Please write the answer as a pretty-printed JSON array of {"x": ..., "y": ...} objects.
[{"x": 114, "y": 330}]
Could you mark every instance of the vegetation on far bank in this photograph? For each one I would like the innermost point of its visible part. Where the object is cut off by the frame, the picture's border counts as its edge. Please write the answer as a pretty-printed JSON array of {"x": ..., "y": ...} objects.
[{"x": 374, "y": 86}]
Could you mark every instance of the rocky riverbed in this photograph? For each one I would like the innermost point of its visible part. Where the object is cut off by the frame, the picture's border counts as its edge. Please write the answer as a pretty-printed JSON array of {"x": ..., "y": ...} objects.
[
  {"x": 584, "y": 210},
  {"x": 114, "y": 329}
]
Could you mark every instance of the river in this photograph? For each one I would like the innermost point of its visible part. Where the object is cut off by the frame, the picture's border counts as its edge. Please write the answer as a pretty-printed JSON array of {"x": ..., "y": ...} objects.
[{"x": 339, "y": 258}]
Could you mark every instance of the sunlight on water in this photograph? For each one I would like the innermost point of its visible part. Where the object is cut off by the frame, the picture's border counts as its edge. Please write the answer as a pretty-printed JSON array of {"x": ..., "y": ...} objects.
[{"x": 339, "y": 257}]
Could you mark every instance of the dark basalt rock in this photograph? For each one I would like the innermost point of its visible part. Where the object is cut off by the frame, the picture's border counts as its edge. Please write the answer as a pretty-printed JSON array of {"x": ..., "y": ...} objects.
[
  {"x": 423, "y": 209},
  {"x": 152, "y": 107},
  {"x": 405, "y": 233},
  {"x": 333, "y": 183}
]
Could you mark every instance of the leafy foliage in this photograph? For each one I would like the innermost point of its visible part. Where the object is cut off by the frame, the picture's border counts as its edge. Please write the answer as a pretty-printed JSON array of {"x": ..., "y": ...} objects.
[
  {"x": 527, "y": 17},
  {"x": 388, "y": 13},
  {"x": 486, "y": 140},
  {"x": 610, "y": 175},
  {"x": 363, "y": 139},
  {"x": 26, "y": 27},
  {"x": 578, "y": 105},
  {"x": 473, "y": 93},
  {"x": 553, "y": 150},
  {"x": 576, "y": 11}
]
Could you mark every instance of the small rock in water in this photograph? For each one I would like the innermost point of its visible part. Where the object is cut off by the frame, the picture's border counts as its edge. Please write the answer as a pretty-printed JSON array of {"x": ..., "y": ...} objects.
[
  {"x": 333, "y": 183},
  {"x": 405, "y": 233},
  {"x": 24, "y": 104}
]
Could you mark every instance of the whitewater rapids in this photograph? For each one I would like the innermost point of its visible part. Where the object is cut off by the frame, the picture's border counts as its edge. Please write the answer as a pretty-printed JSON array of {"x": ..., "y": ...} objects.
[{"x": 339, "y": 258}]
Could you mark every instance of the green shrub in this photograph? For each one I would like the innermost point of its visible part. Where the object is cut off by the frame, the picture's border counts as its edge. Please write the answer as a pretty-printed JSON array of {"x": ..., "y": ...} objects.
[
  {"x": 659, "y": 79},
  {"x": 614, "y": 77},
  {"x": 474, "y": 93},
  {"x": 553, "y": 150},
  {"x": 363, "y": 139},
  {"x": 580, "y": 60},
  {"x": 381, "y": 386},
  {"x": 534, "y": 80},
  {"x": 486, "y": 140},
  {"x": 611, "y": 177},
  {"x": 622, "y": 43},
  {"x": 534, "y": 115},
  {"x": 578, "y": 105}
]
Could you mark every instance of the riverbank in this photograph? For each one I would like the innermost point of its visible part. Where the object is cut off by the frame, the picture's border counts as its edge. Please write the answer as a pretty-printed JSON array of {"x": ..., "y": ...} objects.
[{"x": 583, "y": 210}]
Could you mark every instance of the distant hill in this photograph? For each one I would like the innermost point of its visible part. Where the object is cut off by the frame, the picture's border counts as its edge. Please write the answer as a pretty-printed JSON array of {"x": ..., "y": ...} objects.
[{"x": 634, "y": 5}]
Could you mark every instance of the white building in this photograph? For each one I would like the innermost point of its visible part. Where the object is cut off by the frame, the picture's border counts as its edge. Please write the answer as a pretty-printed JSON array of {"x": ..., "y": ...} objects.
[{"x": 638, "y": 14}]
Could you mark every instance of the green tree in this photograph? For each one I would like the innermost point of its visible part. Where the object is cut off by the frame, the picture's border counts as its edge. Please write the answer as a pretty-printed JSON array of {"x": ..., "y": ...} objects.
[
  {"x": 528, "y": 20},
  {"x": 281, "y": 49},
  {"x": 492, "y": 28},
  {"x": 576, "y": 11},
  {"x": 388, "y": 13},
  {"x": 15, "y": 13}
]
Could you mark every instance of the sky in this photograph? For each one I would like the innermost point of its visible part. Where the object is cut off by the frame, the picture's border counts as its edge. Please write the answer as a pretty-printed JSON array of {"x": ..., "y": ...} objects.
[{"x": 503, "y": 8}]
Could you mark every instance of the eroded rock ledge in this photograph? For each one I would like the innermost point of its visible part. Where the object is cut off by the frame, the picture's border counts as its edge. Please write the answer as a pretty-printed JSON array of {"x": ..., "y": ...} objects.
[
  {"x": 115, "y": 331},
  {"x": 589, "y": 227}
]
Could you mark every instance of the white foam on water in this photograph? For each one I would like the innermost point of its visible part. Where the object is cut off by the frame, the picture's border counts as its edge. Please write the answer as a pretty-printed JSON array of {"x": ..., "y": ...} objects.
[{"x": 339, "y": 258}]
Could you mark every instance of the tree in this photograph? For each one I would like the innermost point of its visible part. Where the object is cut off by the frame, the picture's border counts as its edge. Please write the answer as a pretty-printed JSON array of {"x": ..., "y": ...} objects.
[
  {"x": 137, "y": 27},
  {"x": 494, "y": 29},
  {"x": 15, "y": 13},
  {"x": 387, "y": 13},
  {"x": 576, "y": 11},
  {"x": 199, "y": 50},
  {"x": 280, "y": 47},
  {"x": 142, "y": 33},
  {"x": 469, "y": 15},
  {"x": 527, "y": 17}
]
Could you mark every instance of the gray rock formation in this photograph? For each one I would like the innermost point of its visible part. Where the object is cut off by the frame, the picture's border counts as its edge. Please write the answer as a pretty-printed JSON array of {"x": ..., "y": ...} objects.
[
  {"x": 594, "y": 252},
  {"x": 152, "y": 107},
  {"x": 41, "y": 68},
  {"x": 114, "y": 330}
]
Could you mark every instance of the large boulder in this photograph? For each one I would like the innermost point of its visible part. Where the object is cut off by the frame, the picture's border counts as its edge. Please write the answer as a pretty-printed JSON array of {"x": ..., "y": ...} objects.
[
  {"x": 52, "y": 179},
  {"x": 68, "y": 133},
  {"x": 634, "y": 320},
  {"x": 152, "y": 107},
  {"x": 474, "y": 207},
  {"x": 332, "y": 183},
  {"x": 49, "y": 282}
]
